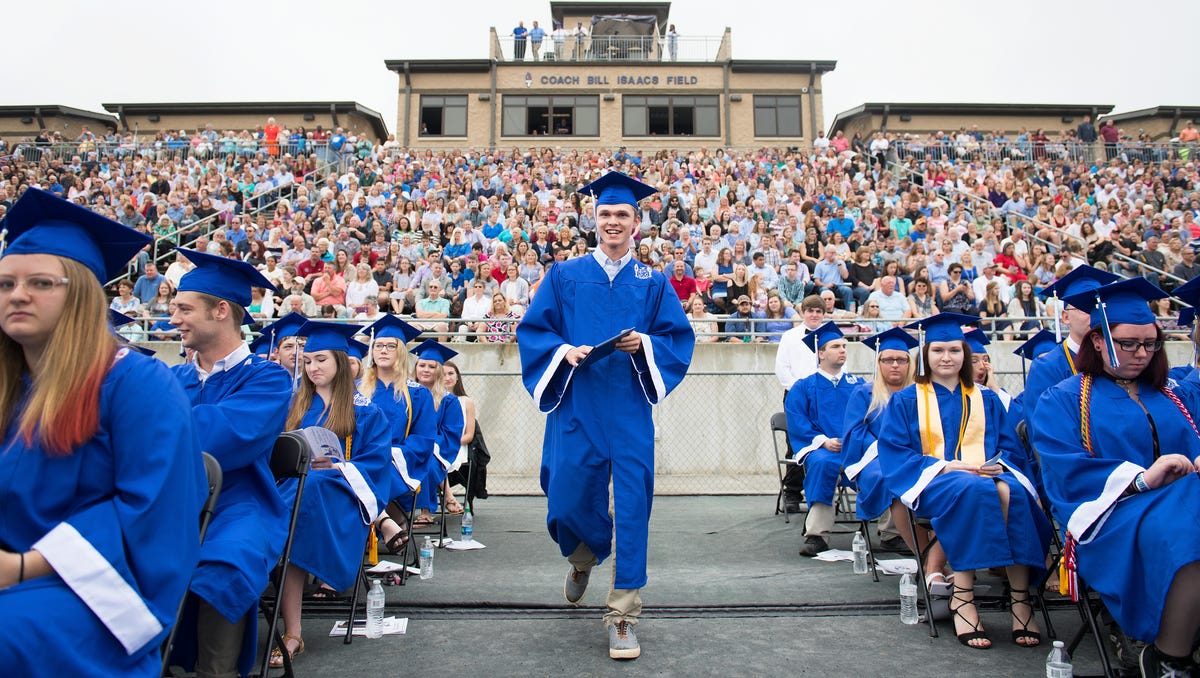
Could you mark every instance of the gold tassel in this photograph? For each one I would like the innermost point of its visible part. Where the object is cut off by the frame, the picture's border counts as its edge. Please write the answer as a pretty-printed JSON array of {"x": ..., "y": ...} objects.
[{"x": 373, "y": 549}]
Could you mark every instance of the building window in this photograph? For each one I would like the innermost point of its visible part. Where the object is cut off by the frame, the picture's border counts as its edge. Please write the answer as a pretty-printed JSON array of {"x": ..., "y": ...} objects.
[
  {"x": 444, "y": 116},
  {"x": 526, "y": 116},
  {"x": 671, "y": 116},
  {"x": 776, "y": 116}
]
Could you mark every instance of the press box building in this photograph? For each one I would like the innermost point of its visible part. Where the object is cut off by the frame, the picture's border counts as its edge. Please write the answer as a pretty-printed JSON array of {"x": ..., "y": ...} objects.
[{"x": 629, "y": 82}]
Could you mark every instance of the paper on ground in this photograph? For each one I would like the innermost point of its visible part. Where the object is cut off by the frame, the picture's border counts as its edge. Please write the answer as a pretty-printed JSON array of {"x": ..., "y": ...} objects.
[
  {"x": 835, "y": 556},
  {"x": 392, "y": 626},
  {"x": 386, "y": 566},
  {"x": 459, "y": 545},
  {"x": 897, "y": 566}
]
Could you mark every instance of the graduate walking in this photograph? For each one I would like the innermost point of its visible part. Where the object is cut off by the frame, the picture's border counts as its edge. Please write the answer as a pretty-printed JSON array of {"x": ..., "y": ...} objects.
[{"x": 598, "y": 395}]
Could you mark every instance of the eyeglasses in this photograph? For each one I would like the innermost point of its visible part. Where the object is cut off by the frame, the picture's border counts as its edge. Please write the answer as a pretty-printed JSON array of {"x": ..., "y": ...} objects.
[
  {"x": 38, "y": 284},
  {"x": 1126, "y": 345},
  {"x": 902, "y": 360},
  {"x": 387, "y": 347}
]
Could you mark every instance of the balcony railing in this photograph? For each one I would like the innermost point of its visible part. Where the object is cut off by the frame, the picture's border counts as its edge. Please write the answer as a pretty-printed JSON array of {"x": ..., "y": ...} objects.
[{"x": 625, "y": 48}]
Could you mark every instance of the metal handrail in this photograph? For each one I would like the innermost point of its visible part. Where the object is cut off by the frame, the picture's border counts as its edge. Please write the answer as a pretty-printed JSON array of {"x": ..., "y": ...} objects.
[{"x": 636, "y": 48}]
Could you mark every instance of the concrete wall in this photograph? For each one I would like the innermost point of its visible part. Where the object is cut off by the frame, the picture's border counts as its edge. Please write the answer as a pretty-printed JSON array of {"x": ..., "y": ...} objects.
[
  {"x": 925, "y": 124},
  {"x": 712, "y": 434},
  {"x": 68, "y": 126},
  {"x": 353, "y": 123},
  {"x": 654, "y": 78}
]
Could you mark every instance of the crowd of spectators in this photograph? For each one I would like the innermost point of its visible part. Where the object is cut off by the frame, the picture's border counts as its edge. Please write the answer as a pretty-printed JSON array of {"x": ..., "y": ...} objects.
[{"x": 885, "y": 230}]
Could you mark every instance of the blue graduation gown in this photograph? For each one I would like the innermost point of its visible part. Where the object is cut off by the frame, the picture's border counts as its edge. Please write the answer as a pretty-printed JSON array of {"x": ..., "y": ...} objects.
[
  {"x": 410, "y": 453},
  {"x": 339, "y": 504},
  {"x": 1182, "y": 373},
  {"x": 238, "y": 414},
  {"x": 815, "y": 409},
  {"x": 860, "y": 459},
  {"x": 450, "y": 423},
  {"x": 965, "y": 508},
  {"x": 598, "y": 423},
  {"x": 117, "y": 519},
  {"x": 1047, "y": 370},
  {"x": 1128, "y": 549}
]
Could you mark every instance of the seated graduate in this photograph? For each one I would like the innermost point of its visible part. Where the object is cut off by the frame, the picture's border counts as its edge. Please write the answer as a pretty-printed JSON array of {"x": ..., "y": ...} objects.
[
  {"x": 279, "y": 344},
  {"x": 860, "y": 459},
  {"x": 815, "y": 407},
  {"x": 948, "y": 450},
  {"x": 1058, "y": 365},
  {"x": 981, "y": 364},
  {"x": 409, "y": 410},
  {"x": 101, "y": 503},
  {"x": 1119, "y": 455},
  {"x": 427, "y": 370},
  {"x": 342, "y": 495},
  {"x": 239, "y": 404},
  {"x": 1190, "y": 293},
  {"x": 356, "y": 351}
]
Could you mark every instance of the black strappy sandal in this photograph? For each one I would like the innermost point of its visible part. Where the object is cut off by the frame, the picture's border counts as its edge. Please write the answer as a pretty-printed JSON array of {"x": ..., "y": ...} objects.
[
  {"x": 398, "y": 540},
  {"x": 1024, "y": 633},
  {"x": 977, "y": 632}
]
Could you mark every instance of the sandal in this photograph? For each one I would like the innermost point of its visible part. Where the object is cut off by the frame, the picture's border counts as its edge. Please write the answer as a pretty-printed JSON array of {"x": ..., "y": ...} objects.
[
  {"x": 1031, "y": 638},
  {"x": 976, "y": 632},
  {"x": 325, "y": 593},
  {"x": 453, "y": 507},
  {"x": 277, "y": 656},
  {"x": 424, "y": 520},
  {"x": 937, "y": 584},
  {"x": 398, "y": 540}
]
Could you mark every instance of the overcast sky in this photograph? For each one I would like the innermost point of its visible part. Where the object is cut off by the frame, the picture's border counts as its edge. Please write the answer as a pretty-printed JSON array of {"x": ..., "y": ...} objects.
[{"x": 1129, "y": 54}]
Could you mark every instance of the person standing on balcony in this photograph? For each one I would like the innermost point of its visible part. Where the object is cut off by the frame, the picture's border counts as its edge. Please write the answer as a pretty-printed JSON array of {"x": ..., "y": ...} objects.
[
  {"x": 536, "y": 35},
  {"x": 672, "y": 42},
  {"x": 581, "y": 35},
  {"x": 520, "y": 37},
  {"x": 560, "y": 41}
]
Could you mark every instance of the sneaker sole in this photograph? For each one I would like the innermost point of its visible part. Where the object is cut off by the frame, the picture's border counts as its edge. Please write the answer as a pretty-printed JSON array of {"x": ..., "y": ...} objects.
[
  {"x": 575, "y": 602},
  {"x": 632, "y": 653}
]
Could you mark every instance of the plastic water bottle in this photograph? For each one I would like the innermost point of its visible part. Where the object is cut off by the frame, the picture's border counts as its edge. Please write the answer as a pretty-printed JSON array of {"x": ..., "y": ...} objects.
[
  {"x": 1058, "y": 664},
  {"x": 426, "y": 554},
  {"x": 468, "y": 526},
  {"x": 859, "y": 547},
  {"x": 908, "y": 600},
  {"x": 375, "y": 602}
]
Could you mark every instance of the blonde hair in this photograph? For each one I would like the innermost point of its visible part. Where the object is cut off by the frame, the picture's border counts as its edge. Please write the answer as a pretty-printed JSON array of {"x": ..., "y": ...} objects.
[
  {"x": 63, "y": 408},
  {"x": 881, "y": 392},
  {"x": 439, "y": 383},
  {"x": 341, "y": 419},
  {"x": 370, "y": 373}
]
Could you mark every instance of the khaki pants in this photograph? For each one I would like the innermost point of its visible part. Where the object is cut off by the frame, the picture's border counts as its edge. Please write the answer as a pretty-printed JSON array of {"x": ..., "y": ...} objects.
[
  {"x": 819, "y": 522},
  {"x": 219, "y": 643},
  {"x": 623, "y": 604}
]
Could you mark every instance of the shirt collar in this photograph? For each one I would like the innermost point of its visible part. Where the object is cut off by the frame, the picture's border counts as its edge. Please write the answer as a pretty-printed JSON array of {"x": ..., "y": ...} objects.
[
  {"x": 835, "y": 378},
  {"x": 605, "y": 262},
  {"x": 239, "y": 354}
]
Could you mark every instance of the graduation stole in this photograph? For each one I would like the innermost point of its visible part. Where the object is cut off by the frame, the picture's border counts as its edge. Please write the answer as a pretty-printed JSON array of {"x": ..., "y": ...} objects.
[
  {"x": 970, "y": 429},
  {"x": 1070, "y": 360}
]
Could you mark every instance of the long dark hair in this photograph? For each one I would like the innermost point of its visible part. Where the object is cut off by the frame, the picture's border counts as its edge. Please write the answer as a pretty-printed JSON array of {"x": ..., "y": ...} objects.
[
  {"x": 966, "y": 373},
  {"x": 1091, "y": 362}
]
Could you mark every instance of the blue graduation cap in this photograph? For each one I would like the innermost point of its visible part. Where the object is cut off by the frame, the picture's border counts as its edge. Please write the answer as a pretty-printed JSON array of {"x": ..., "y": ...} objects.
[
  {"x": 944, "y": 326},
  {"x": 357, "y": 349},
  {"x": 327, "y": 336},
  {"x": 118, "y": 319},
  {"x": 431, "y": 349},
  {"x": 1124, "y": 302},
  {"x": 1038, "y": 344},
  {"x": 822, "y": 335},
  {"x": 894, "y": 339},
  {"x": 43, "y": 223},
  {"x": 616, "y": 188},
  {"x": 285, "y": 327},
  {"x": 1187, "y": 316},
  {"x": 389, "y": 326},
  {"x": 977, "y": 339},
  {"x": 228, "y": 279},
  {"x": 1079, "y": 280}
]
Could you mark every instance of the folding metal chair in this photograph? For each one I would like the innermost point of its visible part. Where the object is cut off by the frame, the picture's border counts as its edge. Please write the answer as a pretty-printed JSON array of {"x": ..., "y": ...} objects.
[
  {"x": 782, "y": 461},
  {"x": 289, "y": 459},
  {"x": 212, "y": 469},
  {"x": 1090, "y": 612}
]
